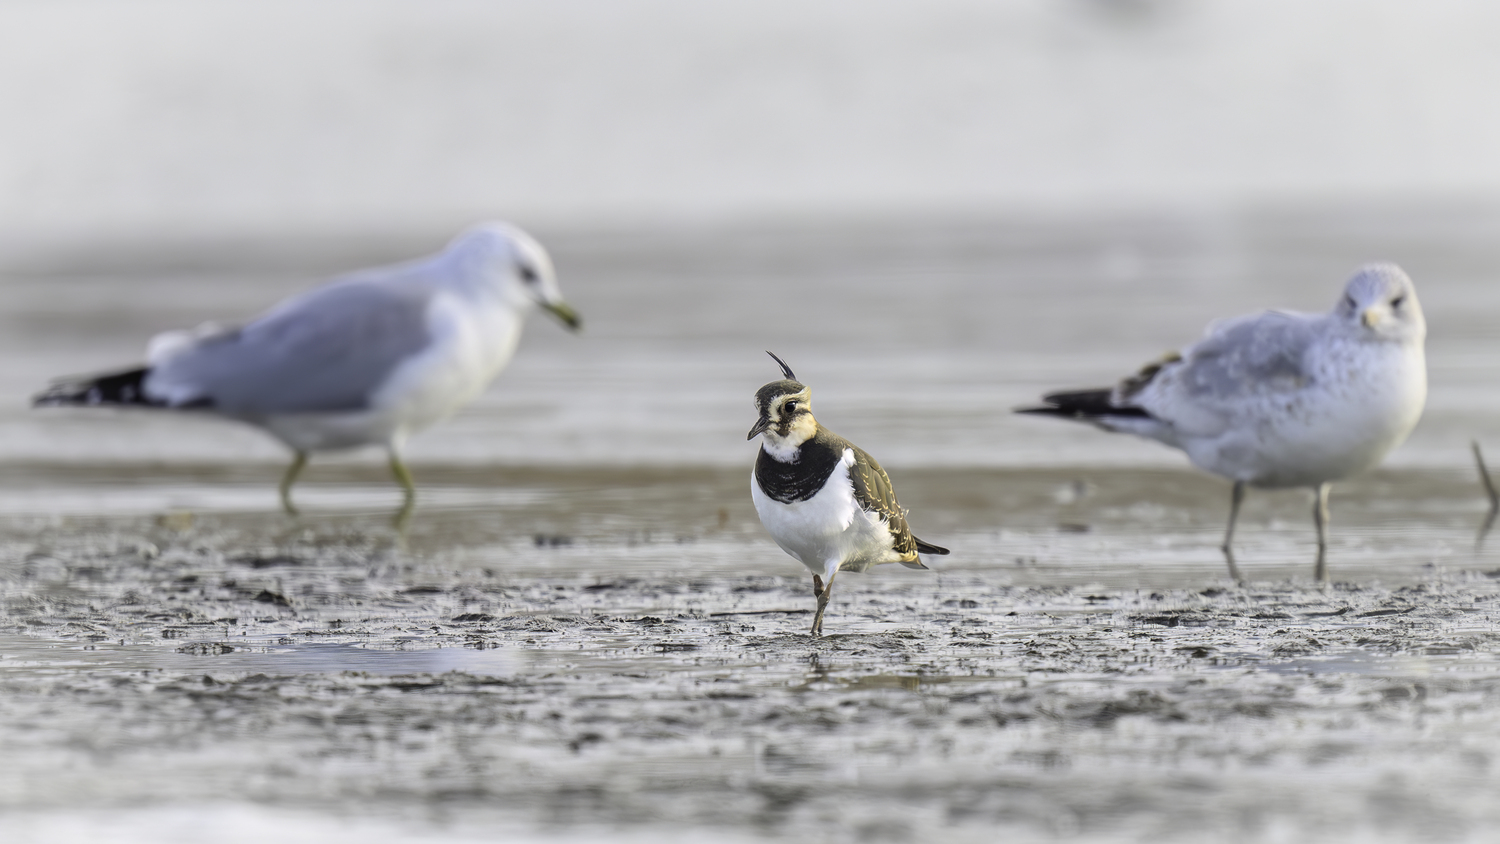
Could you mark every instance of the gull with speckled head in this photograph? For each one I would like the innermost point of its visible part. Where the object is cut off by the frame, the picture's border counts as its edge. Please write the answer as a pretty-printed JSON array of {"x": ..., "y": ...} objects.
[
  {"x": 824, "y": 500},
  {"x": 1279, "y": 400},
  {"x": 366, "y": 359}
]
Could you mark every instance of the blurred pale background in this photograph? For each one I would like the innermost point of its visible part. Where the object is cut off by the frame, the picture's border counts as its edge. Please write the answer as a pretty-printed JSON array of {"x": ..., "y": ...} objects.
[{"x": 209, "y": 117}]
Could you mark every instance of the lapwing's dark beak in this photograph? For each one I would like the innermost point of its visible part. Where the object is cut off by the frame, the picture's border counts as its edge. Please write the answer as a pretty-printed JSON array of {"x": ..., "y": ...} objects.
[
  {"x": 565, "y": 314},
  {"x": 760, "y": 427}
]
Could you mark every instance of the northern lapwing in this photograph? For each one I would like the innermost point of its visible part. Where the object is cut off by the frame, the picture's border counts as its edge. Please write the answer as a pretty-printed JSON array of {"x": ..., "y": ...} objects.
[{"x": 825, "y": 501}]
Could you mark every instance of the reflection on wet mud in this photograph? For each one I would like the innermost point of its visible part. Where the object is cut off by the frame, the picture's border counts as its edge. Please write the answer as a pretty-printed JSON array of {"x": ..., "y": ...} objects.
[{"x": 283, "y": 654}]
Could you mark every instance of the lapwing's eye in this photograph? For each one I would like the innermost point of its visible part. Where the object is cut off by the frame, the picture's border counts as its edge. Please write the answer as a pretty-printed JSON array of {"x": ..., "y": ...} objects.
[
  {"x": 790, "y": 407},
  {"x": 1396, "y": 302}
]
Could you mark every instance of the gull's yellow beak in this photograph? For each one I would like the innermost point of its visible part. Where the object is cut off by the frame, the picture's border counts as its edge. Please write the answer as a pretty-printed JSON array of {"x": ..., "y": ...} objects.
[
  {"x": 565, "y": 313},
  {"x": 1372, "y": 316}
]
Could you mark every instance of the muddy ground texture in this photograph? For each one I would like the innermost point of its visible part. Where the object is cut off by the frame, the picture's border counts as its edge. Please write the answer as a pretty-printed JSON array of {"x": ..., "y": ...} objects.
[
  {"x": 632, "y": 658},
  {"x": 179, "y": 659}
]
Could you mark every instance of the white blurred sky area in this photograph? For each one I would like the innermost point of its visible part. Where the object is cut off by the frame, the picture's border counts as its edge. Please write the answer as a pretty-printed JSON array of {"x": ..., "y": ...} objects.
[{"x": 207, "y": 117}]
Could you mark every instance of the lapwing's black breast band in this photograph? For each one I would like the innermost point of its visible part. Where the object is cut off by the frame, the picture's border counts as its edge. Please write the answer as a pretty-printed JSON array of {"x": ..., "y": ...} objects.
[{"x": 799, "y": 481}]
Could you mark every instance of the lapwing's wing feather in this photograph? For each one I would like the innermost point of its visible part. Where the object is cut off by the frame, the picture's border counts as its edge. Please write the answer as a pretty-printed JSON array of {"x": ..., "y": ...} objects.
[
  {"x": 875, "y": 494},
  {"x": 928, "y": 547}
]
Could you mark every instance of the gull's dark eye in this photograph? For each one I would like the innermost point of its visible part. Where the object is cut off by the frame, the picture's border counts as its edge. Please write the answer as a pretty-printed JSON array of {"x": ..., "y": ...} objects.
[
  {"x": 528, "y": 274},
  {"x": 1396, "y": 302},
  {"x": 1349, "y": 302}
]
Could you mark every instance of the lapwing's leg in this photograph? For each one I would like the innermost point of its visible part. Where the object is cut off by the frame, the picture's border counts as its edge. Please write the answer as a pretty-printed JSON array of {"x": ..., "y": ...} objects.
[
  {"x": 1320, "y": 518},
  {"x": 817, "y": 594},
  {"x": 409, "y": 502},
  {"x": 298, "y": 461},
  {"x": 817, "y": 626},
  {"x": 1489, "y": 491},
  {"x": 1236, "y": 498}
]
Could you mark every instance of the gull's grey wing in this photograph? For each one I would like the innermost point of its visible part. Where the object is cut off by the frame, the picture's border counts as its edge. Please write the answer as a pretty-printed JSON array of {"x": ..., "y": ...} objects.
[
  {"x": 328, "y": 350},
  {"x": 1246, "y": 356},
  {"x": 1244, "y": 369}
]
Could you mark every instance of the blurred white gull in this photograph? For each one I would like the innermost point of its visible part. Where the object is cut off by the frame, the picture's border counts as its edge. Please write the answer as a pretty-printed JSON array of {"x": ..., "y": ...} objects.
[
  {"x": 1278, "y": 399},
  {"x": 367, "y": 359}
]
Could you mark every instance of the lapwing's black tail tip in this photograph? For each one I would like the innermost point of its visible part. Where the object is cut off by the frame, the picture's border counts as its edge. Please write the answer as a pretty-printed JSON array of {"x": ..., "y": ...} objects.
[
  {"x": 928, "y": 547},
  {"x": 115, "y": 388}
]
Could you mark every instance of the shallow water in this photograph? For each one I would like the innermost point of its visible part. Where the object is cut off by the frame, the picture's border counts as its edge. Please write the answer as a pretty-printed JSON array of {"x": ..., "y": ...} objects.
[
  {"x": 586, "y": 633},
  {"x": 918, "y": 340}
]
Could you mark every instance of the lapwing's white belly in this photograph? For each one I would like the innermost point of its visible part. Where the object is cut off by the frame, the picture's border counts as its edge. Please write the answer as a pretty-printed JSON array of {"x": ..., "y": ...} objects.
[{"x": 830, "y": 529}]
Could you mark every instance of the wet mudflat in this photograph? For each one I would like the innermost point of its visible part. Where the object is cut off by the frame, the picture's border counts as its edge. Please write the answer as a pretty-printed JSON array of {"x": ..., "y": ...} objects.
[{"x": 560, "y": 654}]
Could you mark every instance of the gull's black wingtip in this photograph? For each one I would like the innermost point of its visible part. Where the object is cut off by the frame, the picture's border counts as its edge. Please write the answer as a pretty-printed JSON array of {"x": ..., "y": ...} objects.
[
  {"x": 1082, "y": 404},
  {"x": 1044, "y": 411},
  {"x": 116, "y": 388}
]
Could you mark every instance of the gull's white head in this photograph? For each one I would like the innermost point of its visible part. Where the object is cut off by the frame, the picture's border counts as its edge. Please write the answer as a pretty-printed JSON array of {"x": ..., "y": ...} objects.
[
  {"x": 1381, "y": 301},
  {"x": 502, "y": 254}
]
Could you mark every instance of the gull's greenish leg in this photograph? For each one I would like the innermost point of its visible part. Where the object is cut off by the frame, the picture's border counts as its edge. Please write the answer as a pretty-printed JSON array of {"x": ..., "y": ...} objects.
[
  {"x": 1236, "y": 498},
  {"x": 299, "y": 460},
  {"x": 1489, "y": 491},
  {"x": 403, "y": 477},
  {"x": 1320, "y": 518}
]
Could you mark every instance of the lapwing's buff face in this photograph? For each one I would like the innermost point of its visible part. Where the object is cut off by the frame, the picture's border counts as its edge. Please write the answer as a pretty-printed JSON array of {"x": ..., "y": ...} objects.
[
  {"x": 1381, "y": 302},
  {"x": 520, "y": 266},
  {"x": 786, "y": 418}
]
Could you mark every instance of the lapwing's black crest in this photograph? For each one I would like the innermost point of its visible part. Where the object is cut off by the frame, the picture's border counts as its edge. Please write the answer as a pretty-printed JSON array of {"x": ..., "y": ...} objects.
[{"x": 785, "y": 370}]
